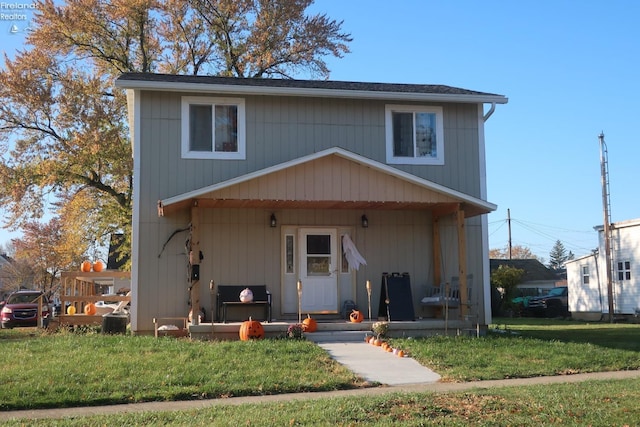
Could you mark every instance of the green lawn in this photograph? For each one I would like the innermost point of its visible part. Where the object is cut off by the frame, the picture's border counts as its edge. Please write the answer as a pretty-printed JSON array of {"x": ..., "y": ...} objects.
[{"x": 67, "y": 369}]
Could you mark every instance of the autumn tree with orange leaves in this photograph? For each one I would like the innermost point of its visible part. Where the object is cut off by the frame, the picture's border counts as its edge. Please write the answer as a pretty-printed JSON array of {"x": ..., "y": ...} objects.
[{"x": 63, "y": 125}]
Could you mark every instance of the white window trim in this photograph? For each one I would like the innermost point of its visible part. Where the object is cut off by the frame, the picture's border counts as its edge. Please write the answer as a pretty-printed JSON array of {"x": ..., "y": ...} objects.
[
  {"x": 624, "y": 270},
  {"x": 583, "y": 274},
  {"x": 388, "y": 122},
  {"x": 206, "y": 100}
]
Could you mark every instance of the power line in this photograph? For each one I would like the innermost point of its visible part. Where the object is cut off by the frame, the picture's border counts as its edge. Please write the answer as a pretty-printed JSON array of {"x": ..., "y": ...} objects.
[{"x": 547, "y": 232}]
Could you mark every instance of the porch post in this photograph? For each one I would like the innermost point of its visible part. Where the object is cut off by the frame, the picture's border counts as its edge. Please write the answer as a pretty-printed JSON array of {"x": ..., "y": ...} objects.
[
  {"x": 437, "y": 252},
  {"x": 462, "y": 263},
  {"x": 194, "y": 264}
]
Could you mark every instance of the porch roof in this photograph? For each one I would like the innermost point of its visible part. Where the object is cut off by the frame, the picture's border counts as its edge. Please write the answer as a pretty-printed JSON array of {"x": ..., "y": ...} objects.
[{"x": 330, "y": 179}]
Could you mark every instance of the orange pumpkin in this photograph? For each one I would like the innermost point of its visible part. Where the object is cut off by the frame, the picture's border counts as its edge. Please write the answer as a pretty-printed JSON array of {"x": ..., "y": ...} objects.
[
  {"x": 90, "y": 309},
  {"x": 98, "y": 266},
  {"x": 309, "y": 324},
  {"x": 85, "y": 267},
  {"x": 356, "y": 316},
  {"x": 251, "y": 329},
  {"x": 400, "y": 353}
]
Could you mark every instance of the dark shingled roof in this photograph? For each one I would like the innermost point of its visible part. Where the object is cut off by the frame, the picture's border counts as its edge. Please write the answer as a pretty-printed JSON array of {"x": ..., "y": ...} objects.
[
  {"x": 533, "y": 269},
  {"x": 303, "y": 84}
]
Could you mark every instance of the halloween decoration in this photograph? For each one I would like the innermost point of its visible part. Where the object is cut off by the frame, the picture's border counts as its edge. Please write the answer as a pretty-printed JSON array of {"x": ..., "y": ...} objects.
[
  {"x": 90, "y": 309},
  {"x": 98, "y": 266},
  {"x": 85, "y": 267},
  {"x": 71, "y": 310},
  {"x": 309, "y": 324},
  {"x": 246, "y": 295},
  {"x": 356, "y": 316},
  {"x": 251, "y": 329}
]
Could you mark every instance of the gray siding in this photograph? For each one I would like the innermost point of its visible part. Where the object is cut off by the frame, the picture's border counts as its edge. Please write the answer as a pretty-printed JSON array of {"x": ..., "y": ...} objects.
[
  {"x": 280, "y": 129},
  {"x": 239, "y": 247}
]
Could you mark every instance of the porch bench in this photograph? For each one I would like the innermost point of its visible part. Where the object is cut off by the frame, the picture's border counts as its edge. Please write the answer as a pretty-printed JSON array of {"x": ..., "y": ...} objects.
[
  {"x": 229, "y": 296},
  {"x": 441, "y": 296},
  {"x": 446, "y": 295}
]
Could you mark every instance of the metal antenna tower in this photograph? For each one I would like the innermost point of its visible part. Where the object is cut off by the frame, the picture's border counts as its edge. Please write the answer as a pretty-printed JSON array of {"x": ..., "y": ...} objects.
[{"x": 606, "y": 210}]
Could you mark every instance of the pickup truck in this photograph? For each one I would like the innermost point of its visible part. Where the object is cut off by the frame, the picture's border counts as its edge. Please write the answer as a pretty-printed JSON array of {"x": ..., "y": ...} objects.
[{"x": 554, "y": 304}]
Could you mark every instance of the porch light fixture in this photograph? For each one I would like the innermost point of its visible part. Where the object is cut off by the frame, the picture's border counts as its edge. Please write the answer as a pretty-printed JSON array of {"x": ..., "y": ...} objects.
[
  {"x": 272, "y": 221},
  {"x": 365, "y": 221}
]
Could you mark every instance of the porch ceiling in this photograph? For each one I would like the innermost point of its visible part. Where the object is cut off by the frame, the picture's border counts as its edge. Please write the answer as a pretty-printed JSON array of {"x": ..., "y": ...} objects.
[{"x": 332, "y": 179}]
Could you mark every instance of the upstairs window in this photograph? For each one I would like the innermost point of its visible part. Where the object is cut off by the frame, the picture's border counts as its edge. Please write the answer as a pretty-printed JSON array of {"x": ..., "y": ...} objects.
[
  {"x": 624, "y": 270},
  {"x": 213, "y": 128},
  {"x": 414, "y": 135}
]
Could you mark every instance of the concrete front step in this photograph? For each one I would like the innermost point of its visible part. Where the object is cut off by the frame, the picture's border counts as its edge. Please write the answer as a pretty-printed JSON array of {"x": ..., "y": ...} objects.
[
  {"x": 341, "y": 330},
  {"x": 337, "y": 336}
]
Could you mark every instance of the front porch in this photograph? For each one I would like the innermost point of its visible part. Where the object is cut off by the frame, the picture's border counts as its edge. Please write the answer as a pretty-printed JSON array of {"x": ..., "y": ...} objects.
[
  {"x": 291, "y": 237},
  {"x": 343, "y": 330}
]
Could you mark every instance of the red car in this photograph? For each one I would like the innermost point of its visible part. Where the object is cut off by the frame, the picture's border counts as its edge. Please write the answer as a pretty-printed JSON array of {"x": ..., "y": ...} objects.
[{"x": 21, "y": 309}]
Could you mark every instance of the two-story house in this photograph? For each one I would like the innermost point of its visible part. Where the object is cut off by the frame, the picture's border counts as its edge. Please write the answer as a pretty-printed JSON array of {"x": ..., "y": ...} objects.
[
  {"x": 258, "y": 181},
  {"x": 587, "y": 276}
]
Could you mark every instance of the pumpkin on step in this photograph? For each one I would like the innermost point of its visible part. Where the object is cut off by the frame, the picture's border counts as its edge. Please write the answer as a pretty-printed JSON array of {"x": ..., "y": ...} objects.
[
  {"x": 251, "y": 329},
  {"x": 356, "y": 316},
  {"x": 309, "y": 324}
]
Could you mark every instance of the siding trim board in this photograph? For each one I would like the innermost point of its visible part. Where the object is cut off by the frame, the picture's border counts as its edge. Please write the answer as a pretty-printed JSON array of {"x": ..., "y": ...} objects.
[{"x": 379, "y": 186}]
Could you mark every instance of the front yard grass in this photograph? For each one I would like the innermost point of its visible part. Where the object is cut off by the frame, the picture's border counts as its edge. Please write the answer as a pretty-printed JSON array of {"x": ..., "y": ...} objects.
[
  {"x": 521, "y": 348},
  {"x": 66, "y": 369}
]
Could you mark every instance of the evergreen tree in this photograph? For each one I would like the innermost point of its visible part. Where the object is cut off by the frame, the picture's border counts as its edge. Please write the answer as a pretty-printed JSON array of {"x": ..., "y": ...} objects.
[{"x": 559, "y": 256}]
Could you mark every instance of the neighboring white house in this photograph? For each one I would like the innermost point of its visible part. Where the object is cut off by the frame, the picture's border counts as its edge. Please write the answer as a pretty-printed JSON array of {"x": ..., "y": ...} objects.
[{"x": 587, "y": 276}]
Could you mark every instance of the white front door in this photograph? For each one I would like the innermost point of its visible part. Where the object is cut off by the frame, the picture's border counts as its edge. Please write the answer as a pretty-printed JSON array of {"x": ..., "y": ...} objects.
[{"x": 318, "y": 270}]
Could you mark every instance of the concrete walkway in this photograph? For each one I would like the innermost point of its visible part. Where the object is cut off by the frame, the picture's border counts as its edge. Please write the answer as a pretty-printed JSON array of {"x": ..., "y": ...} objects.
[
  {"x": 373, "y": 391},
  {"x": 372, "y": 363}
]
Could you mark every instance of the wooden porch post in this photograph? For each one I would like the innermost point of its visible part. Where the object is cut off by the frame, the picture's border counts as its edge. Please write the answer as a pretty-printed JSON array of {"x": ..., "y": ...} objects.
[
  {"x": 194, "y": 263},
  {"x": 437, "y": 252},
  {"x": 462, "y": 262}
]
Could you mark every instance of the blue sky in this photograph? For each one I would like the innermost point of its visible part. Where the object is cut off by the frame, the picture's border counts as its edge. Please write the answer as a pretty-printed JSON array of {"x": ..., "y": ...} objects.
[{"x": 570, "y": 70}]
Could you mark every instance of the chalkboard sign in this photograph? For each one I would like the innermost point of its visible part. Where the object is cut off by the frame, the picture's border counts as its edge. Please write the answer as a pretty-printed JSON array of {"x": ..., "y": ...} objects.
[{"x": 396, "y": 301}]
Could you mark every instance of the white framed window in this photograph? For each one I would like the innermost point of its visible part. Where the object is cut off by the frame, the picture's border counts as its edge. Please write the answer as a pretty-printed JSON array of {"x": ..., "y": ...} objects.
[
  {"x": 290, "y": 254},
  {"x": 585, "y": 274},
  {"x": 213, "y": 128},
  {"x": 624, "y": 270},
  {"x": 414, "y": 135}
]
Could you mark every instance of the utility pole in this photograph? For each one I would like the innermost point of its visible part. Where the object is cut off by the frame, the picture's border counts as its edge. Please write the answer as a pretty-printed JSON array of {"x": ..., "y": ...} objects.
[
  {"x": 606, "y": 205},
  {"x": 509, "y": 227}
]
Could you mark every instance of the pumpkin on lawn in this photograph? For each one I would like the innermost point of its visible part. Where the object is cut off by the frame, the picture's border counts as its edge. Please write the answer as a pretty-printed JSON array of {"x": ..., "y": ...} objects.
[
  {"x": 251, "y": 329},
  {"x": 309, "y": 324},
  {"x": 356, "y": 316},
  {"x": 90, "y": 309},
  {"x": 85, "y": 267}
]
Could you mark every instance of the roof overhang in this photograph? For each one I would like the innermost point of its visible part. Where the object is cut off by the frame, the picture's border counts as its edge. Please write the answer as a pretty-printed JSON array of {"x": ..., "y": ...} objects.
[
  {"x": 320, "y": 89},
  {"x": 375, "y": 186}
]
